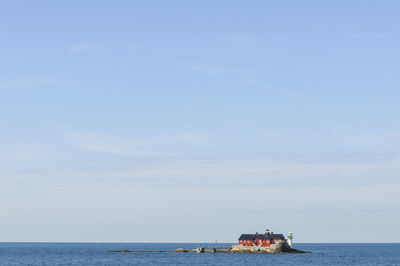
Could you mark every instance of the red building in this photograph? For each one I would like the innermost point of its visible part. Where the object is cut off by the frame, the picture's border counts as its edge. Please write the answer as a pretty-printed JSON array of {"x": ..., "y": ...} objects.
[{"x": 261, "y": 240}]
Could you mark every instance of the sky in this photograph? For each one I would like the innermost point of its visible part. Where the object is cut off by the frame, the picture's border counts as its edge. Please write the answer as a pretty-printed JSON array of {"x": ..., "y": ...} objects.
[{"x": 190, "y": 121}]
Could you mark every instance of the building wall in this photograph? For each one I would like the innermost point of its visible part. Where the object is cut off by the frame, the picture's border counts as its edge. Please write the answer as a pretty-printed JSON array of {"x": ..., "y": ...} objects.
[{"x": 264, "y": 243}]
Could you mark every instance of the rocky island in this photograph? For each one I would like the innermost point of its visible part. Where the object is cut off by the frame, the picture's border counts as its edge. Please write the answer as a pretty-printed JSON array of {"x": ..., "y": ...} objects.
[{"x": 267, "y": 243}]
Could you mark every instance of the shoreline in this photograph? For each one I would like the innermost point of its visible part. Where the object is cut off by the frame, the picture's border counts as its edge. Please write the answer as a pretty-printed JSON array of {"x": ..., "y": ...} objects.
[{"x": 212, "y": 250}]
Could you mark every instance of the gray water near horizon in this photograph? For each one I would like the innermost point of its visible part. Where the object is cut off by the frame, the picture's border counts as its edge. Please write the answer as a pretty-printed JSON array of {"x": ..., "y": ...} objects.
[{"x": 96, "y": 254}]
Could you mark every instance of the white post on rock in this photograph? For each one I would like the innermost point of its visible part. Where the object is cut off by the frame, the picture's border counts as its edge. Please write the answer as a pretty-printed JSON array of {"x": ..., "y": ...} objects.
[{"x": 290, "y": 239}]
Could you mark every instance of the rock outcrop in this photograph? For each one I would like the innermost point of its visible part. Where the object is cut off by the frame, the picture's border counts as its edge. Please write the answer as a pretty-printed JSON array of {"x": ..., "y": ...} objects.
[{"x": 280, "y": 246}]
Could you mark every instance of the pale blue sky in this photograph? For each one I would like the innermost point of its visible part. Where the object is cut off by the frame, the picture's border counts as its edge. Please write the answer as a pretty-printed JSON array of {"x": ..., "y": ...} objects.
[{"x": 195, "y": 120}]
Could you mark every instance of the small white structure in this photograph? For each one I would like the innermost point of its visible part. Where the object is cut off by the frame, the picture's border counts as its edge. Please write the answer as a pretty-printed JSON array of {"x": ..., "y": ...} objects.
[{"x": 290, "y": 239}]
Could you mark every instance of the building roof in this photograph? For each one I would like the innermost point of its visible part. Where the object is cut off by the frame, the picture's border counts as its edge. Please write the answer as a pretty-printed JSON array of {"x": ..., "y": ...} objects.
[{"x": 266, "y": 236}]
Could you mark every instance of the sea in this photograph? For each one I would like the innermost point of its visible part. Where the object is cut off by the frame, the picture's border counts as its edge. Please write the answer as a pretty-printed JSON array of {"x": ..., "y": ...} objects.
[{"x": 97, "y": 254}]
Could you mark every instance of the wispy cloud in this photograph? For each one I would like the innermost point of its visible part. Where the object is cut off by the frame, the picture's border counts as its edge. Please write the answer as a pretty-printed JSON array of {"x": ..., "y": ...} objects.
[
  {"x": 10, "y": 57},
  {"x": 107, "y": 144},
  {"x": 243, "y": 38},
  {"x": 34, "y": 83},
  {"x": 213, "y": 69},
  {"x": 384, "y": 138},
  {"x": 292, "y": 94},
  {"x": 75, "y": 48},
  {"x": 150, "y": 146},
  {"x": 24, "y": 151},
  {"x": 273, "y": 136},
  {"x": 371, "y": 35},
  {"x": 81, "y": 47},
  {"x": 285, "y": 92},
  {"x": 185, "y": 137},
  {"x": 239, "y": 37},
  {"x": 241, "y": 173}
]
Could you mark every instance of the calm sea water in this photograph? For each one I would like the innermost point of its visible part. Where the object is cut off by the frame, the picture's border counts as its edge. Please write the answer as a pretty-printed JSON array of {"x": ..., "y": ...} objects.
[{"x": 96, "y": 254}]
